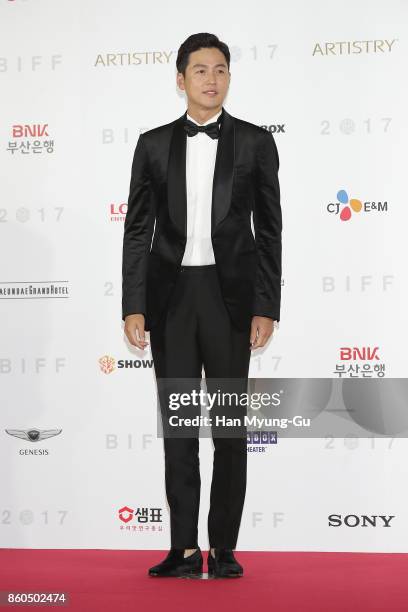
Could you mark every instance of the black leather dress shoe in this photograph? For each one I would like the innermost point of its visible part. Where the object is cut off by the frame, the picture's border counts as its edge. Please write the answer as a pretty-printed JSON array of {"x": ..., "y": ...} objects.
[
  {"x": 224, "y": 565},
  {"x": 175, "y": 564}
]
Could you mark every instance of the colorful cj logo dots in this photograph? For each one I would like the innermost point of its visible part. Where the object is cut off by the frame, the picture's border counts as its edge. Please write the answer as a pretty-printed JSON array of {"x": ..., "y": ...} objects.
[{"x": 350, "y": 205}]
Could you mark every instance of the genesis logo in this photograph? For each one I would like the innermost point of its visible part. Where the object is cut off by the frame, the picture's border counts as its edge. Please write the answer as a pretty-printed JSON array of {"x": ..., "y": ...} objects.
[{"x": 33, "y": 434}]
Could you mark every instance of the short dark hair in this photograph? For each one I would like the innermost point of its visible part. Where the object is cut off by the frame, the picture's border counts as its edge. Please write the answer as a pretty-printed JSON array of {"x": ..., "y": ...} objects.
[{"x": 196, "y": 42}]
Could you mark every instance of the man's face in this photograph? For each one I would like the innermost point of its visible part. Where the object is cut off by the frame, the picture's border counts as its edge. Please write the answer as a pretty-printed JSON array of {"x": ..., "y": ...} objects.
[{"x": 207, "y": 78}]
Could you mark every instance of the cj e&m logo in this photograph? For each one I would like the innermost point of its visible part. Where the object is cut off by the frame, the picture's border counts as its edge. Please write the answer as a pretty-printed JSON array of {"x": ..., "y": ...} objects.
[{"x": 347, "y": 207}]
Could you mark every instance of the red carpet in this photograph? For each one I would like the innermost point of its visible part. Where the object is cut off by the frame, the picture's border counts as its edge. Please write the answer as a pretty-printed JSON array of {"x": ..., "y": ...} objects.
[{"x": 106, "y": 580}]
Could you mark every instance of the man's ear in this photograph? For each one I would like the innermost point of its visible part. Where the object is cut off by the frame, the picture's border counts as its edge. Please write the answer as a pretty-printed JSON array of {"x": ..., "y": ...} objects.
[{"x": 180, "y": 80}]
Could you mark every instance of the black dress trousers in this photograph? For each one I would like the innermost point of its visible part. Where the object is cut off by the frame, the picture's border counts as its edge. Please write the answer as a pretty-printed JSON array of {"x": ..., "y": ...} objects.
[{"x": 196, "y": 331}]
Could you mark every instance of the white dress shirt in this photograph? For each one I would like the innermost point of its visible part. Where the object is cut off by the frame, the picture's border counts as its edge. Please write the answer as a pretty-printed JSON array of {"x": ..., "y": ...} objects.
[{"x": 200, "y": 162}]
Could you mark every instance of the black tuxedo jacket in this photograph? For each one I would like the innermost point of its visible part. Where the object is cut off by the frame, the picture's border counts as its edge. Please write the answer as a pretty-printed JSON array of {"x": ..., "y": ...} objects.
[{"x": 245, "y": 180}]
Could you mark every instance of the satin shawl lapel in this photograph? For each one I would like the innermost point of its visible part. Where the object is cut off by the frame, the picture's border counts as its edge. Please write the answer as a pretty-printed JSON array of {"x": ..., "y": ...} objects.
[{"x": 223, "y": 174}]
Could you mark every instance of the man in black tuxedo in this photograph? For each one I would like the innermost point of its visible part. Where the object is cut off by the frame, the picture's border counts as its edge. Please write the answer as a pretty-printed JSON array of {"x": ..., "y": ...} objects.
[{"x": 195, "y": 276}]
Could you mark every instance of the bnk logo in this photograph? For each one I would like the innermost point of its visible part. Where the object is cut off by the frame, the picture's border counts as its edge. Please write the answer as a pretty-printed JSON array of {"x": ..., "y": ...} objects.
[{"x": 345, "y": 207}]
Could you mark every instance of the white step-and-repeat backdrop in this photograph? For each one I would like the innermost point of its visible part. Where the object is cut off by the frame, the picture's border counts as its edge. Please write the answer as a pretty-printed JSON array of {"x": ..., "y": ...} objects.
[{"x": 80, "y": 82}]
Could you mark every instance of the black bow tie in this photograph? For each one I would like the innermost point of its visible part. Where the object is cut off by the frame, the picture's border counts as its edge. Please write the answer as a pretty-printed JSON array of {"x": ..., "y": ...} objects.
[{"x": 212, "y": 129}]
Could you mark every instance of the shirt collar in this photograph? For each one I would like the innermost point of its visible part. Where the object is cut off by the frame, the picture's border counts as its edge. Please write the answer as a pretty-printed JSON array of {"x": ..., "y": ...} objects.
[{"x": 211, "y": 120}]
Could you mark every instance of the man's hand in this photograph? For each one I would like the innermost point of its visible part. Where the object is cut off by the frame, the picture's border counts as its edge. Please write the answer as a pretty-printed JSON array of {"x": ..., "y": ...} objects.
[
  {"x": 261, "y": 331},
  {"x": 135, "y": 330}
]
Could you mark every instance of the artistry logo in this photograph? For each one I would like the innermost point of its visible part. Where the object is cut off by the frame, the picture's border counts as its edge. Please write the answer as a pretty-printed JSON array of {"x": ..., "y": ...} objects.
[{"x": 352, "y": 47}]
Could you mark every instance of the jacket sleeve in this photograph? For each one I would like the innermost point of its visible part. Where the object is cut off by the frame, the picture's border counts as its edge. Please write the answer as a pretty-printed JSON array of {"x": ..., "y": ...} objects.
[
  {"x": 137, "y": 236},
  {"x": 267, "y": 219}
]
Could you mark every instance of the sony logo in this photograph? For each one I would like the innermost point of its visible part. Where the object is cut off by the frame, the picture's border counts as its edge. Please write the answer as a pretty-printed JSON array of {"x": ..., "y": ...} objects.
[{"x": 363, "y": 520}]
